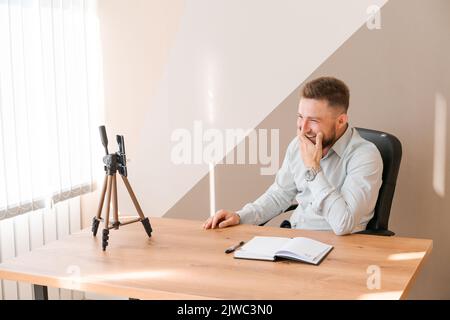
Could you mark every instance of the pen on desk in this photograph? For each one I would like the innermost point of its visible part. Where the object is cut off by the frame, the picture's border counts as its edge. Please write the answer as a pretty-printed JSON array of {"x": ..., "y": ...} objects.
[{"x": 233, "y": 248}]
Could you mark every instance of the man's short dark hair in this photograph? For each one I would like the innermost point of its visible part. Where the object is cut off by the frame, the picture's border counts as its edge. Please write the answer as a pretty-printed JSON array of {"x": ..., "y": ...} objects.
[{"x": 333, "y": 90}]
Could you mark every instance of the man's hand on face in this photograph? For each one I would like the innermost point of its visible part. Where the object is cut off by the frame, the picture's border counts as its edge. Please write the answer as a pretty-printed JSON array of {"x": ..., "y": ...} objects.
[
  {"x": 222, "y": 219},
  {"x": 311, "y": 153}
]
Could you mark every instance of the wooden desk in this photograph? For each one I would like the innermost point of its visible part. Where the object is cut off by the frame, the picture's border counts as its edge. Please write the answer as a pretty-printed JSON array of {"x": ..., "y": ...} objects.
[{"x": 183, "y": 261}]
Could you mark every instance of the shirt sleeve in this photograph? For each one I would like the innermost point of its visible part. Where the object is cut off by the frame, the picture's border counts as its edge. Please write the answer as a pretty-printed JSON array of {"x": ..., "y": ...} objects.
[
  {"x": 346, "y": 208},
  {"x": 277, "y": 198}
]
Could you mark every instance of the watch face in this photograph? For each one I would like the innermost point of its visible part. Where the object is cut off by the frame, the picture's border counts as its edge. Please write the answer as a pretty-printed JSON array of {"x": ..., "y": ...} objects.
[{"x": 309, "y": 175}]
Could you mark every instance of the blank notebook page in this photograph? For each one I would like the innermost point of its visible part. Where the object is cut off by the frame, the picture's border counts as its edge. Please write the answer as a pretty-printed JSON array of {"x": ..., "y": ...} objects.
[
  {"x": 263, "y": 246},
  {"x": 304, "y": 247}
]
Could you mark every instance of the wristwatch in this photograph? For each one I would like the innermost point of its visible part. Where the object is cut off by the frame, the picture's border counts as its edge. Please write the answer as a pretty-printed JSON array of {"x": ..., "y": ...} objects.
[{"x": 311, "y": 173}]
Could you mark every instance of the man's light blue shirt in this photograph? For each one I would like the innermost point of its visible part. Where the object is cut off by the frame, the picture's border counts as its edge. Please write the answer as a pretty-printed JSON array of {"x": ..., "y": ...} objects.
[{"x": 342, "y": 196}]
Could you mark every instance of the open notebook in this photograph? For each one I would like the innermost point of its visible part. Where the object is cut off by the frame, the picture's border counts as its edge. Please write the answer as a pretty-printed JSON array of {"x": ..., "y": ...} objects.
[{"x": 269, "y": 248}]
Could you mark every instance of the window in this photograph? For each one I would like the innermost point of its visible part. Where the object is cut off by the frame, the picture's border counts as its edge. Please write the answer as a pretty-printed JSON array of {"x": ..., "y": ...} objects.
[{"x": 50, "y": 85}]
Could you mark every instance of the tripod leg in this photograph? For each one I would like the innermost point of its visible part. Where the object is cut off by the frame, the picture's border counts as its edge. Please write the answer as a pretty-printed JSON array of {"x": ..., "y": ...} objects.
[
  {"x": 95, "y": 225},
  {"x": 145, "y": 221},
  {"x": 133, "y": 197},
  {"x": 108, "y": 203},
  {"x": 116, "y": 221},
  {"x": 105, "y": 239},
  {"x": 147, "y": 226},
  {"x": 96, "y": 220}
]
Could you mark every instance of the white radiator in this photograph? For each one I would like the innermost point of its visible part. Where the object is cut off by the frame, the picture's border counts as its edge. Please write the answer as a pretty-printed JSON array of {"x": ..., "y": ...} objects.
[{"x": 29, "y": 231}]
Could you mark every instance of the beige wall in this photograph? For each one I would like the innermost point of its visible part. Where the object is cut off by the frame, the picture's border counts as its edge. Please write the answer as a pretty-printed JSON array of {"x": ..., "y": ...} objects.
[{"x": 394, "y": 74}]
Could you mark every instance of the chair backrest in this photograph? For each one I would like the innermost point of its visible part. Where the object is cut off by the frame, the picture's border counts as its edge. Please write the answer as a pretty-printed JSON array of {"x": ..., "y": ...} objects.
[{"x": 391, "y": 151}]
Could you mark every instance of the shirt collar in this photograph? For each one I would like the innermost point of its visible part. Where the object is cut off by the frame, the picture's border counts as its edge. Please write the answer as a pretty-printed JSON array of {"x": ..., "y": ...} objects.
[{"x": 341, "y": 144}]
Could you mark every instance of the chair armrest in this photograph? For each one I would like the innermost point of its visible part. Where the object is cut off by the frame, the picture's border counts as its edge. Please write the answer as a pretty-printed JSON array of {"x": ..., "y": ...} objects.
[
  {"x": 292, "y": 207},
  {"x": 384, "y": 233}
]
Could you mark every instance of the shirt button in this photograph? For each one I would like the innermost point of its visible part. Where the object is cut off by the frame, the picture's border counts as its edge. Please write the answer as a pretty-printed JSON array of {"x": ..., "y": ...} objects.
[{"x": 302, "y": 220}]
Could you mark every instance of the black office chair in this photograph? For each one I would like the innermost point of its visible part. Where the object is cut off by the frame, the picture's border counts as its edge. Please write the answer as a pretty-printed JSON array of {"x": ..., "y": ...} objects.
[{"x": 391, "y": 152}]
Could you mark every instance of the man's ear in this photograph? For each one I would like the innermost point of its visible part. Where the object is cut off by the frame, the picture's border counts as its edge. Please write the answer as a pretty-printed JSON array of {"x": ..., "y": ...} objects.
[{"x": 342, "y": 120}]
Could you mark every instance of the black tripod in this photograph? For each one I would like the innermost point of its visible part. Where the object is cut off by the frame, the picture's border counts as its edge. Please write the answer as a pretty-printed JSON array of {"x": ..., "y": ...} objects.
[{"x": 115, "y": 162}]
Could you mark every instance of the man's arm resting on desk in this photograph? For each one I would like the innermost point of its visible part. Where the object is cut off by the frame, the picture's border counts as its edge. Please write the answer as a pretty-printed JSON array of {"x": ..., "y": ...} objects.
[
  {"x": 222, "y": 219},
  {"x": 275, "y": 200}
]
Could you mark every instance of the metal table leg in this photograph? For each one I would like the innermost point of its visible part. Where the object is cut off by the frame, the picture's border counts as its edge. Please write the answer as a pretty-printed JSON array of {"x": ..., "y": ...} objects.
[{"x": 40, "y": 292}]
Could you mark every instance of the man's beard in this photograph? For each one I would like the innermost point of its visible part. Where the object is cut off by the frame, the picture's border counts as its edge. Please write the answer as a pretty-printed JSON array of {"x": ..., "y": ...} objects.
[
  {"x": 329, "y": 141},
  {"x": 326, "y": 141}
]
